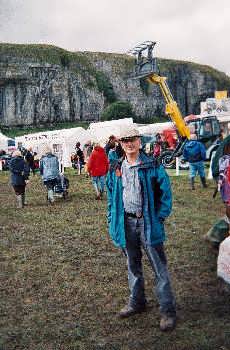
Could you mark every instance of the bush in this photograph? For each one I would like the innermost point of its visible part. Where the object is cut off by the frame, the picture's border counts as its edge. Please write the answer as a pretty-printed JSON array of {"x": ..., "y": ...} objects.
[
  {"x": 118, "y": 110},
  {"x": 105, "y": 86}
]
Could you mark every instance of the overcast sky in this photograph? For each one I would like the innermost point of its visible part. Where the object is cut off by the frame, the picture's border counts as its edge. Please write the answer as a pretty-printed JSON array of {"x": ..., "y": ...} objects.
[{"x": 194, "y": 30}]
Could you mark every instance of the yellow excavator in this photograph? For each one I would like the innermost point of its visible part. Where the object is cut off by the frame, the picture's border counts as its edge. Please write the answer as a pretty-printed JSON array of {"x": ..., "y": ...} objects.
[{"x": 146, "y": 67}]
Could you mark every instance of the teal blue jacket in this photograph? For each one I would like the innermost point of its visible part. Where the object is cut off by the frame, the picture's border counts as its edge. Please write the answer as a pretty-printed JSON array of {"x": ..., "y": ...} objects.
[{"x": 157, "y": 201}]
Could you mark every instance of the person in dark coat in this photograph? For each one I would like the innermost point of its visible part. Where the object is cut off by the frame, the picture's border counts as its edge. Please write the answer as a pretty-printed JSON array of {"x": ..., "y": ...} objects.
[
  {"x": 80, "y": 161},
  {"x": 195, "y": 153},
  {"x": 110, "y": 144},
  {"x": 19, "y": 170},
  {"x": 219, "y": 153},
  {"x": 29, "y": 158},
  {"x": 221, "y": 173}
]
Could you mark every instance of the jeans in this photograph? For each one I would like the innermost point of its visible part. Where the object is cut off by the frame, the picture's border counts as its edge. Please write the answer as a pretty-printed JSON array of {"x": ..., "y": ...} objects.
[
  {"x": 134, "y": 229},
  {"x": 197, "y": 167},
  {"x": 98, "y": 183}
]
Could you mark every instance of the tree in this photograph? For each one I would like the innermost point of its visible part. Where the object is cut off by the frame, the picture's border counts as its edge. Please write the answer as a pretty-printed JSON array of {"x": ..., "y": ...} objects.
[{"x": 118, "y": 110}]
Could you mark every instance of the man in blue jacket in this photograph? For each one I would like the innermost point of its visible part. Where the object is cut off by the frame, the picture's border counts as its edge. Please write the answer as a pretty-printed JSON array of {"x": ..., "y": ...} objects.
[
  {"x": 139, "y": 200},
  {"x": 195, "y": 153}
]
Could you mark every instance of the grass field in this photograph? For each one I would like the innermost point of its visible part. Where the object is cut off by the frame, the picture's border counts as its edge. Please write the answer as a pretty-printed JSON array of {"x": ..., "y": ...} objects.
[{"x": 63, "y": 282}]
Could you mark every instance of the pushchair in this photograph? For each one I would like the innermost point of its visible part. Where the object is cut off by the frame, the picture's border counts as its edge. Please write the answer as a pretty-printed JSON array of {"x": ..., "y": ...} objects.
[{"x": 61, "y": 187}]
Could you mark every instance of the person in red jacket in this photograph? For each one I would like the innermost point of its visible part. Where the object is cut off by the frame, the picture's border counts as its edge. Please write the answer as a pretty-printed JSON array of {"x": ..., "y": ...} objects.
[{"x": 98, "y": 166}]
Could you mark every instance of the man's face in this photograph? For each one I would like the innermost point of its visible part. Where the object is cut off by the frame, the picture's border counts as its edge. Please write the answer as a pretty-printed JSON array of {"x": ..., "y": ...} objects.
[{"x": 131, "y": 145}]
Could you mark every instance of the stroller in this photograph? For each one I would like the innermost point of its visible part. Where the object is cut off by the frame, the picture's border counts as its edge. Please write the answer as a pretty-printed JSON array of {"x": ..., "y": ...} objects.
[{"x": 61, "y": 187}]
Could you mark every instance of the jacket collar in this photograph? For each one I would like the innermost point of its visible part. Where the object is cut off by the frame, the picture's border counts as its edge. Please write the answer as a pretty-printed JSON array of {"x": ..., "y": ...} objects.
[{"x": 143, "y": 163}]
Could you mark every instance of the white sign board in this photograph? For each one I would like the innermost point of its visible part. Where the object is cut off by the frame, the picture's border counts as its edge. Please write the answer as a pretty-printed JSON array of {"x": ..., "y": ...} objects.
[{"x": 217, "y": 107}]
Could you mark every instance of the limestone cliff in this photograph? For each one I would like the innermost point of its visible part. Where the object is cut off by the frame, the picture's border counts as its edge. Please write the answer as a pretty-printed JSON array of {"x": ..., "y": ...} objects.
[{"x": 42, "y": 84}]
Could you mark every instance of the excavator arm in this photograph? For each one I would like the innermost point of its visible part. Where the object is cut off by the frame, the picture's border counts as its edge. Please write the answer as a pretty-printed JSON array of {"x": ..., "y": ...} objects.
[{"x": 171, "y": 106}]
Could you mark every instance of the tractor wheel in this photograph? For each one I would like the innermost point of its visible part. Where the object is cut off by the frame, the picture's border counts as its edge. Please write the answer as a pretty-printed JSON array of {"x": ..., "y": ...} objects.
[{"x": 166, "y": 161}]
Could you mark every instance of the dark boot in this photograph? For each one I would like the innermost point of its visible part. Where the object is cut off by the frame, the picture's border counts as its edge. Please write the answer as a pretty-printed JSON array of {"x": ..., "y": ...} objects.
[
  {"x": 192, "y": 183},
  {"x": 167, "y": 323},
  {"x": 24, "y": 200},
  {"x": 128, "y": 311},
  {"x": 203, "y": 181}
]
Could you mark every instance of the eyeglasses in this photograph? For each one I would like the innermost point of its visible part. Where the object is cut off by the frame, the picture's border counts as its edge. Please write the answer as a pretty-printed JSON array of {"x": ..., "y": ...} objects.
[{"x": 129, "y": 139}]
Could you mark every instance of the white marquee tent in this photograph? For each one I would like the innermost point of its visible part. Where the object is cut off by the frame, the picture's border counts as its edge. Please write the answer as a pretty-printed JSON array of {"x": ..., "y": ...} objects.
[
  {"x": 153, "y": 129},
  {"x": 61, "y": 141},
  {"x": 101, "y": 131}
]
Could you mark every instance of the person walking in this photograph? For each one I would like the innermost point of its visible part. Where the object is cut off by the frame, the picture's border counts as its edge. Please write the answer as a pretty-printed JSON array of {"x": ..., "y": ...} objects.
[
  {"x": 79, "y": 157},
  {"x": 112, "y": 139},
  {"x": 157, "y": 146},
  {"x": 221, "y": 175},
  {"x": 98, "y": 166},
  {"x": 139, "y": 200},
  {"x": 194, "y": 152},
  {"x": 112, "y": 155},
  {"x": 20, "y": 171},
  {"x": 87, "y": 150},
  {"x": 49, "y": 169},
  {"x": 29, "y": 158}
]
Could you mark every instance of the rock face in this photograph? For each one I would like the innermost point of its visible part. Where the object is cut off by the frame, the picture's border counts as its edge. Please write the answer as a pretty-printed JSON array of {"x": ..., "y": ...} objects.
[{"x": 44, "y": 84}]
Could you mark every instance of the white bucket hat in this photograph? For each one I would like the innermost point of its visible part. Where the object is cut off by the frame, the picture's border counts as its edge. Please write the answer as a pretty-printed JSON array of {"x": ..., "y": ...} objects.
[{"x": 128, "y": 132}]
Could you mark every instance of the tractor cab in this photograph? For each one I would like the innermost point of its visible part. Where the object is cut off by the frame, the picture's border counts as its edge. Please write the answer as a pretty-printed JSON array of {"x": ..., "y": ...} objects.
[{"x": 207, "y": 129}]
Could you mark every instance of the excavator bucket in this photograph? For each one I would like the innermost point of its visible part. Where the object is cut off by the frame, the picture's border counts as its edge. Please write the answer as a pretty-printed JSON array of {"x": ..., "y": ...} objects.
[{"x": 145, "y": 63}]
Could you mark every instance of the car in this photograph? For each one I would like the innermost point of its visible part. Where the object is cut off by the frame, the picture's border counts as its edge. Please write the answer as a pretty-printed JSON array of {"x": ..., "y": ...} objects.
[
  {"x": 147, "y": 142},
  {"x": 5, "y": 159}
]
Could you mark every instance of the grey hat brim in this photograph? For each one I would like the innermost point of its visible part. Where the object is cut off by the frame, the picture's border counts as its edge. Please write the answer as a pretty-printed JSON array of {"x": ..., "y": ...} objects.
[{"x": 129, "y": 137}]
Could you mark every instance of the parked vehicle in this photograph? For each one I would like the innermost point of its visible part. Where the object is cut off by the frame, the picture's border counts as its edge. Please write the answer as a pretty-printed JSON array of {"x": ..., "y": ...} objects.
[
  {"x": 5, "y": 159},
  {"x": 147, "y": 143}
]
